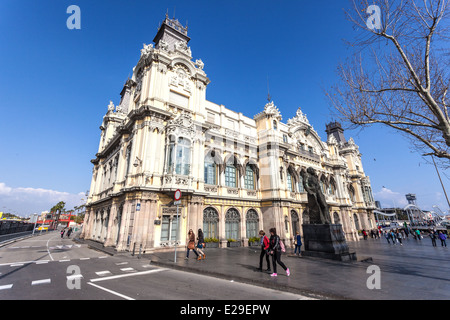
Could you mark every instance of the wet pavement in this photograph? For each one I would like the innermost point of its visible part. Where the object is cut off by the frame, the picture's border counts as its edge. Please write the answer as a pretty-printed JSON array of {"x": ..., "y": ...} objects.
[{"x": 414, "y": 271}]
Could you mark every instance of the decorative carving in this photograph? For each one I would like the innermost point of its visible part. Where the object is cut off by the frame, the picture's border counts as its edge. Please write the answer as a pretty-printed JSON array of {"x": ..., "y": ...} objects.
[
  {"x": 270, "y": 110},
  {"x": 111, "y": 107},
  {"x": 211, "y": 188},
  {"x": 182, "y": 125},
  {"x": 232, "y": 191},
  {"x": 163, "y": 45},
  {"x": 183, "y": 47},
  {"x": 146, "y": 50},
  {"x": 199, "y": 64},
  {"x": 299, "y": 119},
  {"x": 181, "y": 78}
]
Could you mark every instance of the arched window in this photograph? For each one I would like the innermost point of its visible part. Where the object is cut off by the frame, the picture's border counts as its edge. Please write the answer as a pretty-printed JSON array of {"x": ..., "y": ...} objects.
[
  {"x": 249, "y": 179},
  {"x": 300, "y": 184},
  {"x": 351, "y": 191},
  {"x": 289, "y": 182},
  {"x": 232, "y": 224},
  {"x": 295, "y": 223},
  {"x": 183, "y": 159},
  {"x": 332, "y": 187},
  {"x": 179, "y": 156},
  {"x": 210, "y": 223},
  {"x": 275, "y": 125},
  {"x": 252, "y": 223},
  {"x": 336, "y": 218},
  {"x": 231, "y": 174},
  {"x": 356, "y": 221},
  {"x": 210, "y": 170},
  {"x": 323, "y": 185}
]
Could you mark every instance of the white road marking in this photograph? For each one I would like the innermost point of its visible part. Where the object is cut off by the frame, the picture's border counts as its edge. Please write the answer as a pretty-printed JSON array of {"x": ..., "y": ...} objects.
[
  {"x": 110, "y": 291},
  {"x": 85, "y": 258},
  {"x": 121, "y": 263},
  {"x": 48, "y": 251},
  {"x": 64, "y": 260},
  {"x": 103, "y": 257},
  {"x": 102, "y": 273},
  {"x": 16, "y": 265},
  {"x": 8, "y": 286},
  {"x": 75, "y": 276},
  {"x": 43, "y": 281},
  {"x": 127, "y": 269},
  {"x": 127, "y": 275},
  {"x": 42, "y": 262}
]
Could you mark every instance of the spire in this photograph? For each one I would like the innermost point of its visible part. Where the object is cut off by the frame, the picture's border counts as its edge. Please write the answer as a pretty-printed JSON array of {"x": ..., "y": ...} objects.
[{"x": 171, "y": 32}]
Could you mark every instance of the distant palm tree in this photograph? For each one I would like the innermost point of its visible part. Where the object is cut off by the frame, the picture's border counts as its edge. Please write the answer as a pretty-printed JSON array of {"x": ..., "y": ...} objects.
[{"x": 58, "y": 208}]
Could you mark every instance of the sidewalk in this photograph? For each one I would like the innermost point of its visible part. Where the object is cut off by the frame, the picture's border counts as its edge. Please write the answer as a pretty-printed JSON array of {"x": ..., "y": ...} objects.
[{"x": 413, "y": 271}]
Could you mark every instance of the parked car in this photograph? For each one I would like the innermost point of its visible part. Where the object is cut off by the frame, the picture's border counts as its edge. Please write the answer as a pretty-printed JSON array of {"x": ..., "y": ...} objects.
[{"x": 42, "y": 227}]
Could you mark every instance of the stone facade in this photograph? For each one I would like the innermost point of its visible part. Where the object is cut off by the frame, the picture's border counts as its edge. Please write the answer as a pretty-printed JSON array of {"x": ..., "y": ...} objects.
[{"x": 237, "y": 174}]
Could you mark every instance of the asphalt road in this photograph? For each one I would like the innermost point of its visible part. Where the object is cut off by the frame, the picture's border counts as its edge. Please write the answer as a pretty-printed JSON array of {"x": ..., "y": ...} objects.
[{"x": 47, "y": 267}]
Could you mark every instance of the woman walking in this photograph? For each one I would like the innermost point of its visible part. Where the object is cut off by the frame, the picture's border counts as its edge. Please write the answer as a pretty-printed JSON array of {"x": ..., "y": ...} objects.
[
  {"x": 200, "y": 244},
  {"x": 191, "y": 244},
  {"x": 264, "y": 242},
  {"x": 275, "y": 248}
]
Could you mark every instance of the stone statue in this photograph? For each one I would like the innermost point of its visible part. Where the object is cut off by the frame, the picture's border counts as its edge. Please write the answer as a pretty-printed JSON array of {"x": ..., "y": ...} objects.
[{"x": 317, "y": 205}]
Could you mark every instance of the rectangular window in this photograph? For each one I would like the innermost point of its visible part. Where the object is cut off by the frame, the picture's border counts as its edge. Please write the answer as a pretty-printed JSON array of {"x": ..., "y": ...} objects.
[
  {"x": 211, "y": 117},
  {"x": 169, "y": 228},
  {"x": 249, "y": 179},
  {"x": 178, "y": 99},
  {"x": 230, "y": 176},
  {"x": 289, "y": 182},
  {"x": 300, "y": 185},
  {"x": 210, "y": 173}
]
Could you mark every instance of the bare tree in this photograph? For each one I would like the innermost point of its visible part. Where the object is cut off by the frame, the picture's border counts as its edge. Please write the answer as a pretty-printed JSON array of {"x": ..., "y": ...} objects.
[{"x": 398, "y": 75}]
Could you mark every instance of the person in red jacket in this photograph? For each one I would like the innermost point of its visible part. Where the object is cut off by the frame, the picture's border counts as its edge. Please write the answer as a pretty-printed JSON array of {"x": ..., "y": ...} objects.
[{"x": 264, "y": 250}]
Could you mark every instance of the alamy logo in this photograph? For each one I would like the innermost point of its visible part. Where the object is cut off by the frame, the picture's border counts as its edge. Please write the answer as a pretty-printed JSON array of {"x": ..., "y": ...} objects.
[
  {"x": 374, "y": 280},
  {"x": 374, "y": 21},
  {"x": 74, "y": 277},
  {"x": 74, "y": 21}
]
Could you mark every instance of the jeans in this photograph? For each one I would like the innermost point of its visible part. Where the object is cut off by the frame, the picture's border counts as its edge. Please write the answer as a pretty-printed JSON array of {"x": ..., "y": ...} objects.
[
  {"x": 277, "y": 258},
  {"x": 187, "y": 253},
  {"x": 261, "y": 257},
  {"x": 299, "y": 248}
]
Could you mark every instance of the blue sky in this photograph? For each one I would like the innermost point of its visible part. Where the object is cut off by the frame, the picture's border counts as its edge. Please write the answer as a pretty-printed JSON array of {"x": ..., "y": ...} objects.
[{"x": 56, "y": 83}]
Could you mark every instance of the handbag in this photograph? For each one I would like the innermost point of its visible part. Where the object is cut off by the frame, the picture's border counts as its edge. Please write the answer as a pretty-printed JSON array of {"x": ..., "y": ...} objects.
[{"x": 191, "y": 245}]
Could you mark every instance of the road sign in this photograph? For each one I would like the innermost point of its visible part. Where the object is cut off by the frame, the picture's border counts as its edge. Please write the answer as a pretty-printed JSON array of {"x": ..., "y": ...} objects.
[
  {"x": 177, "y": 195},
  {"x": 177, "y": 202}
]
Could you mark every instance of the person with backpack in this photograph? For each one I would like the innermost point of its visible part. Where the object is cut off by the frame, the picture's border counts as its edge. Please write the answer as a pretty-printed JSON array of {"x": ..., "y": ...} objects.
[
  {"x": 264, "y": 241},
  {"x": 276, "y": 247}
]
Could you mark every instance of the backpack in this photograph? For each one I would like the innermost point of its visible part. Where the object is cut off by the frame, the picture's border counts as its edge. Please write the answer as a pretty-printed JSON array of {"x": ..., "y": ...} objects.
[{"x": 283, "y": 249}]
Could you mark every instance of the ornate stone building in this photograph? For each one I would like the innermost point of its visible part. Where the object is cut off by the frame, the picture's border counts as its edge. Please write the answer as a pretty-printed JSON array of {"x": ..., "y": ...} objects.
[{"x": 237, "y": 174}]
